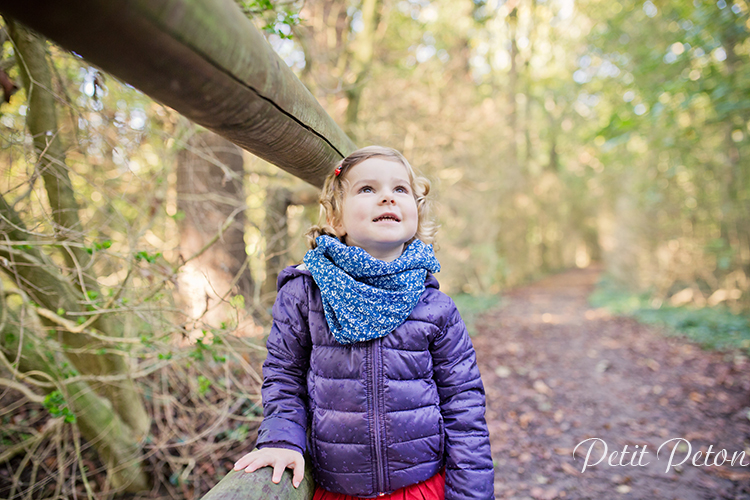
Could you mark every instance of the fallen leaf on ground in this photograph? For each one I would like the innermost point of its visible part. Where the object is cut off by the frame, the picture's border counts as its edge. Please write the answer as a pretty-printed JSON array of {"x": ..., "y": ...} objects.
[{"x": 570, "y": 469}]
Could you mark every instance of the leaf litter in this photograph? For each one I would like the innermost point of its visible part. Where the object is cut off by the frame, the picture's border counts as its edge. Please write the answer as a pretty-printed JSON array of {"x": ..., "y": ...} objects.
[{"x": 558, "y": 371}]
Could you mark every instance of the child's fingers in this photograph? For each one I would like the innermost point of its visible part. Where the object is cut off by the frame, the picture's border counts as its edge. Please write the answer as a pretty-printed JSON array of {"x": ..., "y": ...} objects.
[
  {"x": 251, "y": 462},
  {"x": 278, "y": 471},
  {"x": 243, "y": 462},
  {"x": 254, "y": 465},
  {"x": 299, "y": 471},
  {"x": 278, "y": 459}
]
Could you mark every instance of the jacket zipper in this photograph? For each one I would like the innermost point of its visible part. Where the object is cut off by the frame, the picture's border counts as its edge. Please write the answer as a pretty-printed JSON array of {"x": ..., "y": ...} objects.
[{"x": 379, "y": 472}]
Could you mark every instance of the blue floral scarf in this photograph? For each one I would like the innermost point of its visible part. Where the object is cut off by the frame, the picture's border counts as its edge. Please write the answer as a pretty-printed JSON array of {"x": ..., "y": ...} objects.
[{"x": 365, "y": 298}]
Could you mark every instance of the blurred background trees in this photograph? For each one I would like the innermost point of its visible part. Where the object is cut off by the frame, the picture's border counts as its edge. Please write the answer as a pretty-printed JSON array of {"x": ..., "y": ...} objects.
[{"x": 556, "y": 134}]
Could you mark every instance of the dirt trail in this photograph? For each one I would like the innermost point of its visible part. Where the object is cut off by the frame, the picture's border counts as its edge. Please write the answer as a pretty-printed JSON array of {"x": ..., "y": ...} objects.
[{"x": 558, "y": 372}]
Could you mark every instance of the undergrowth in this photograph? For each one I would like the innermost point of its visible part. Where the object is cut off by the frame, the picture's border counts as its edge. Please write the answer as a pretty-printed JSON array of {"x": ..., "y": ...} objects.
[
  {"x": 471, "y": 307},
  {"x": 711, "y": 327},
  {"x": 205, "y": 409}
]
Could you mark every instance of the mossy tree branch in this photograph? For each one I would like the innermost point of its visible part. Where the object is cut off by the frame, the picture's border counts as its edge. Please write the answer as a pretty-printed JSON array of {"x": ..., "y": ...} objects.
[
  {"x": 33, "y": 272},
  {"x": 99, "y": 425}
]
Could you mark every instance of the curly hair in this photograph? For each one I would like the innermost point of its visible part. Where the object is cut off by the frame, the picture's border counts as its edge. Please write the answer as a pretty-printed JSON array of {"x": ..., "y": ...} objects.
[{"x": 332, "y": 195}]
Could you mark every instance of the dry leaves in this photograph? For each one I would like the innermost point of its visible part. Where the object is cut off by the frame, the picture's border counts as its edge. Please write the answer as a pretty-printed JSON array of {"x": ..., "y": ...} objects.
[{"x": 584, "y": 374}]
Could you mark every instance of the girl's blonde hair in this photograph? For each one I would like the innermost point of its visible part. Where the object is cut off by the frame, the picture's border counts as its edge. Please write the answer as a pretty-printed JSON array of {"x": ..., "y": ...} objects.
[{"x": 332, "y": 195}]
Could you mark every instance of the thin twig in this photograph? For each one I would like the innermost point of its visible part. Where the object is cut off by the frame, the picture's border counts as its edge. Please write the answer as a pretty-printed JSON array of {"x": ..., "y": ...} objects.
[
  {"x": 73, "y": 328},
  {"x": 34, "y": 440},
  {"x": 84, "y": 477},
  {"x": 31, "y": 396}
]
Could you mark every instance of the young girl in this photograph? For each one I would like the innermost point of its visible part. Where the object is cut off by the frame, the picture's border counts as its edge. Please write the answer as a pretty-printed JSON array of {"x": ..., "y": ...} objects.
[{"x": 368, "y": 355}]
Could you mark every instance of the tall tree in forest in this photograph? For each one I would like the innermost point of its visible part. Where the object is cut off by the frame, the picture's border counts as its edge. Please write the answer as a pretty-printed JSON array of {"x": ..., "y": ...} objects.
[
  {"x": 211, "y": 201},
  {"x": 361, "y": 56},
  {"x": 51, "y": 292},
  {"x": 512, "y": 91}
]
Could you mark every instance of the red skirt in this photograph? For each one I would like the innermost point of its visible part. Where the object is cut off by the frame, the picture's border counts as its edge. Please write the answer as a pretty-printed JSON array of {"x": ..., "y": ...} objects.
[{"x": 432, "y": 489}]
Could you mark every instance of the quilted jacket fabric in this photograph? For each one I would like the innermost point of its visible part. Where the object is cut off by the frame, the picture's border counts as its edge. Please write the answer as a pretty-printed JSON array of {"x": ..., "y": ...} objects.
[{"x": 382, "y": 414}]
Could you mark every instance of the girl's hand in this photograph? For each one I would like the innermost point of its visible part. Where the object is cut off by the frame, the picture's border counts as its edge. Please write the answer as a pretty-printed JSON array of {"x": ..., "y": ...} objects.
[{"x": 278, "y": 458}]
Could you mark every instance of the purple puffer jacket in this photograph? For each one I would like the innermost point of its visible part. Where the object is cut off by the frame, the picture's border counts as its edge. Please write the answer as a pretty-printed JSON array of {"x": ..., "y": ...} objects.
[{"x": 383, "y": 414}]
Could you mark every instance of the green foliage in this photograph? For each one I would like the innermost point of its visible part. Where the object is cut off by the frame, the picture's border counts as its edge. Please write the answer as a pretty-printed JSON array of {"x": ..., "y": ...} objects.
[
  {"x": 144, "y": 255},
  {"x": 240, "y": 433},
  {"x": 471, "y": 307},
  {"x": 98, "y": 246},
  {"x": 237, "y": 301},
  {"x": 255, "y": 409},
  {"x": 202, "y": 348},
  {"x": 67, "y": 370},
  {"x": 616, "y": 299},
  {"x": 672, "y": 87},
  {"x": 178, "y": 216},
  {"x": 55, "y": 404},
  {"x": 278, "y": 19},
  {"x": 204, "y": 384},
  {"x": 714, "y": 328}
]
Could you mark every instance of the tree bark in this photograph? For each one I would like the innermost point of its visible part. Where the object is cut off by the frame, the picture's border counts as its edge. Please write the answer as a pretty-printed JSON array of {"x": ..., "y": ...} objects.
[
  {"x": 228, "y": 80},
  {"x": 277, "y": 239},
  {"x": 362, "y": 51},
  {"x": 210, "y": 189},
  {"x": 278, "y": 200},
  {"x": 41, "y": 119},
  {"x": 240, "y": 485}
]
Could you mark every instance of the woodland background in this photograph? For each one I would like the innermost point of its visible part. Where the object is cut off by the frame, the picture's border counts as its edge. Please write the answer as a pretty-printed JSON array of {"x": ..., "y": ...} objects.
[{"x": 139, "y": 252}]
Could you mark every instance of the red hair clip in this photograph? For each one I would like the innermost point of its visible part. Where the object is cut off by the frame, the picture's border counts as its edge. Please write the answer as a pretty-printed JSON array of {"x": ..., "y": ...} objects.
[{"x": 337, "y": 172}]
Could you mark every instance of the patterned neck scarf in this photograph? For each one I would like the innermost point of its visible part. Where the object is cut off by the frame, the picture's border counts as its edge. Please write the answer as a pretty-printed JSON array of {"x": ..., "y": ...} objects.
[{"x": 365, "y": 298}]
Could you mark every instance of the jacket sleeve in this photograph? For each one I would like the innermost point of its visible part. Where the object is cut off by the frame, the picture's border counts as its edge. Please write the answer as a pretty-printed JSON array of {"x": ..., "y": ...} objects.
[
  {"x": 469, "y": 471},
  {"x": 284, "y": 389}
]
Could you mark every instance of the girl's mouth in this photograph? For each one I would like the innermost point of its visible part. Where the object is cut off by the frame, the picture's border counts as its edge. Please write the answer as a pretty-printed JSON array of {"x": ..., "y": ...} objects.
[{"x": 388, "y": 216}]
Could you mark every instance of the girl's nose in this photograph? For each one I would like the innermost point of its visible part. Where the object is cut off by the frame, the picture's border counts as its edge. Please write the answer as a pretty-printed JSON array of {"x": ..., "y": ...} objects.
[{"x": 388, "y": 199}]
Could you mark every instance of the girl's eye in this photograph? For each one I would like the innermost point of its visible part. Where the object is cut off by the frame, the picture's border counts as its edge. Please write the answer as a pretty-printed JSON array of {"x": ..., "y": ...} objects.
[
  {"x": 366, "y": 189},
  {"x": 402, "y": 189}
]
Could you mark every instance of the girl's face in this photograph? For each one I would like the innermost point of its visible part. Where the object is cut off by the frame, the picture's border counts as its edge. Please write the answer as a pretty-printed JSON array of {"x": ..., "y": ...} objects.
[{"x": 379, "y": 212}]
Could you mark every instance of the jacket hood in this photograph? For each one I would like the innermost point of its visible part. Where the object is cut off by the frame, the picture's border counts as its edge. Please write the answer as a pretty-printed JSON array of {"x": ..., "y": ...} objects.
[{"x": 292, "y": 272}]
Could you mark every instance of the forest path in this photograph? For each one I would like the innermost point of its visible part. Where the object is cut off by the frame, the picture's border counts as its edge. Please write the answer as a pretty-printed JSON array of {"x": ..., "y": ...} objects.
[{"x": 557, "y": 372}]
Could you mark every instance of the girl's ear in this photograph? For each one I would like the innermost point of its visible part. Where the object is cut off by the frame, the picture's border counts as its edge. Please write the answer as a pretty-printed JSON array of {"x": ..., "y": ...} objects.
[{"x": 338, "y": 227}]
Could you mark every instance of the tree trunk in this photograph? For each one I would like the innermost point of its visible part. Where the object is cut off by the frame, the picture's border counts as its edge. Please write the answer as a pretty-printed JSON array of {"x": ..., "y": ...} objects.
[
  {"x": 278, "y": 200},
  {"x": 210, "y": 190},
  {"x": 362, "y": 51},
  {"x": 737, "y": 203},
  {"x": 277, "y": 239},
  {"x": 228, "y": 80},
  {"x": 41, "y": 119},
  {"x": 512, "y": 105},
  {"x": 527, "y": 120}
]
